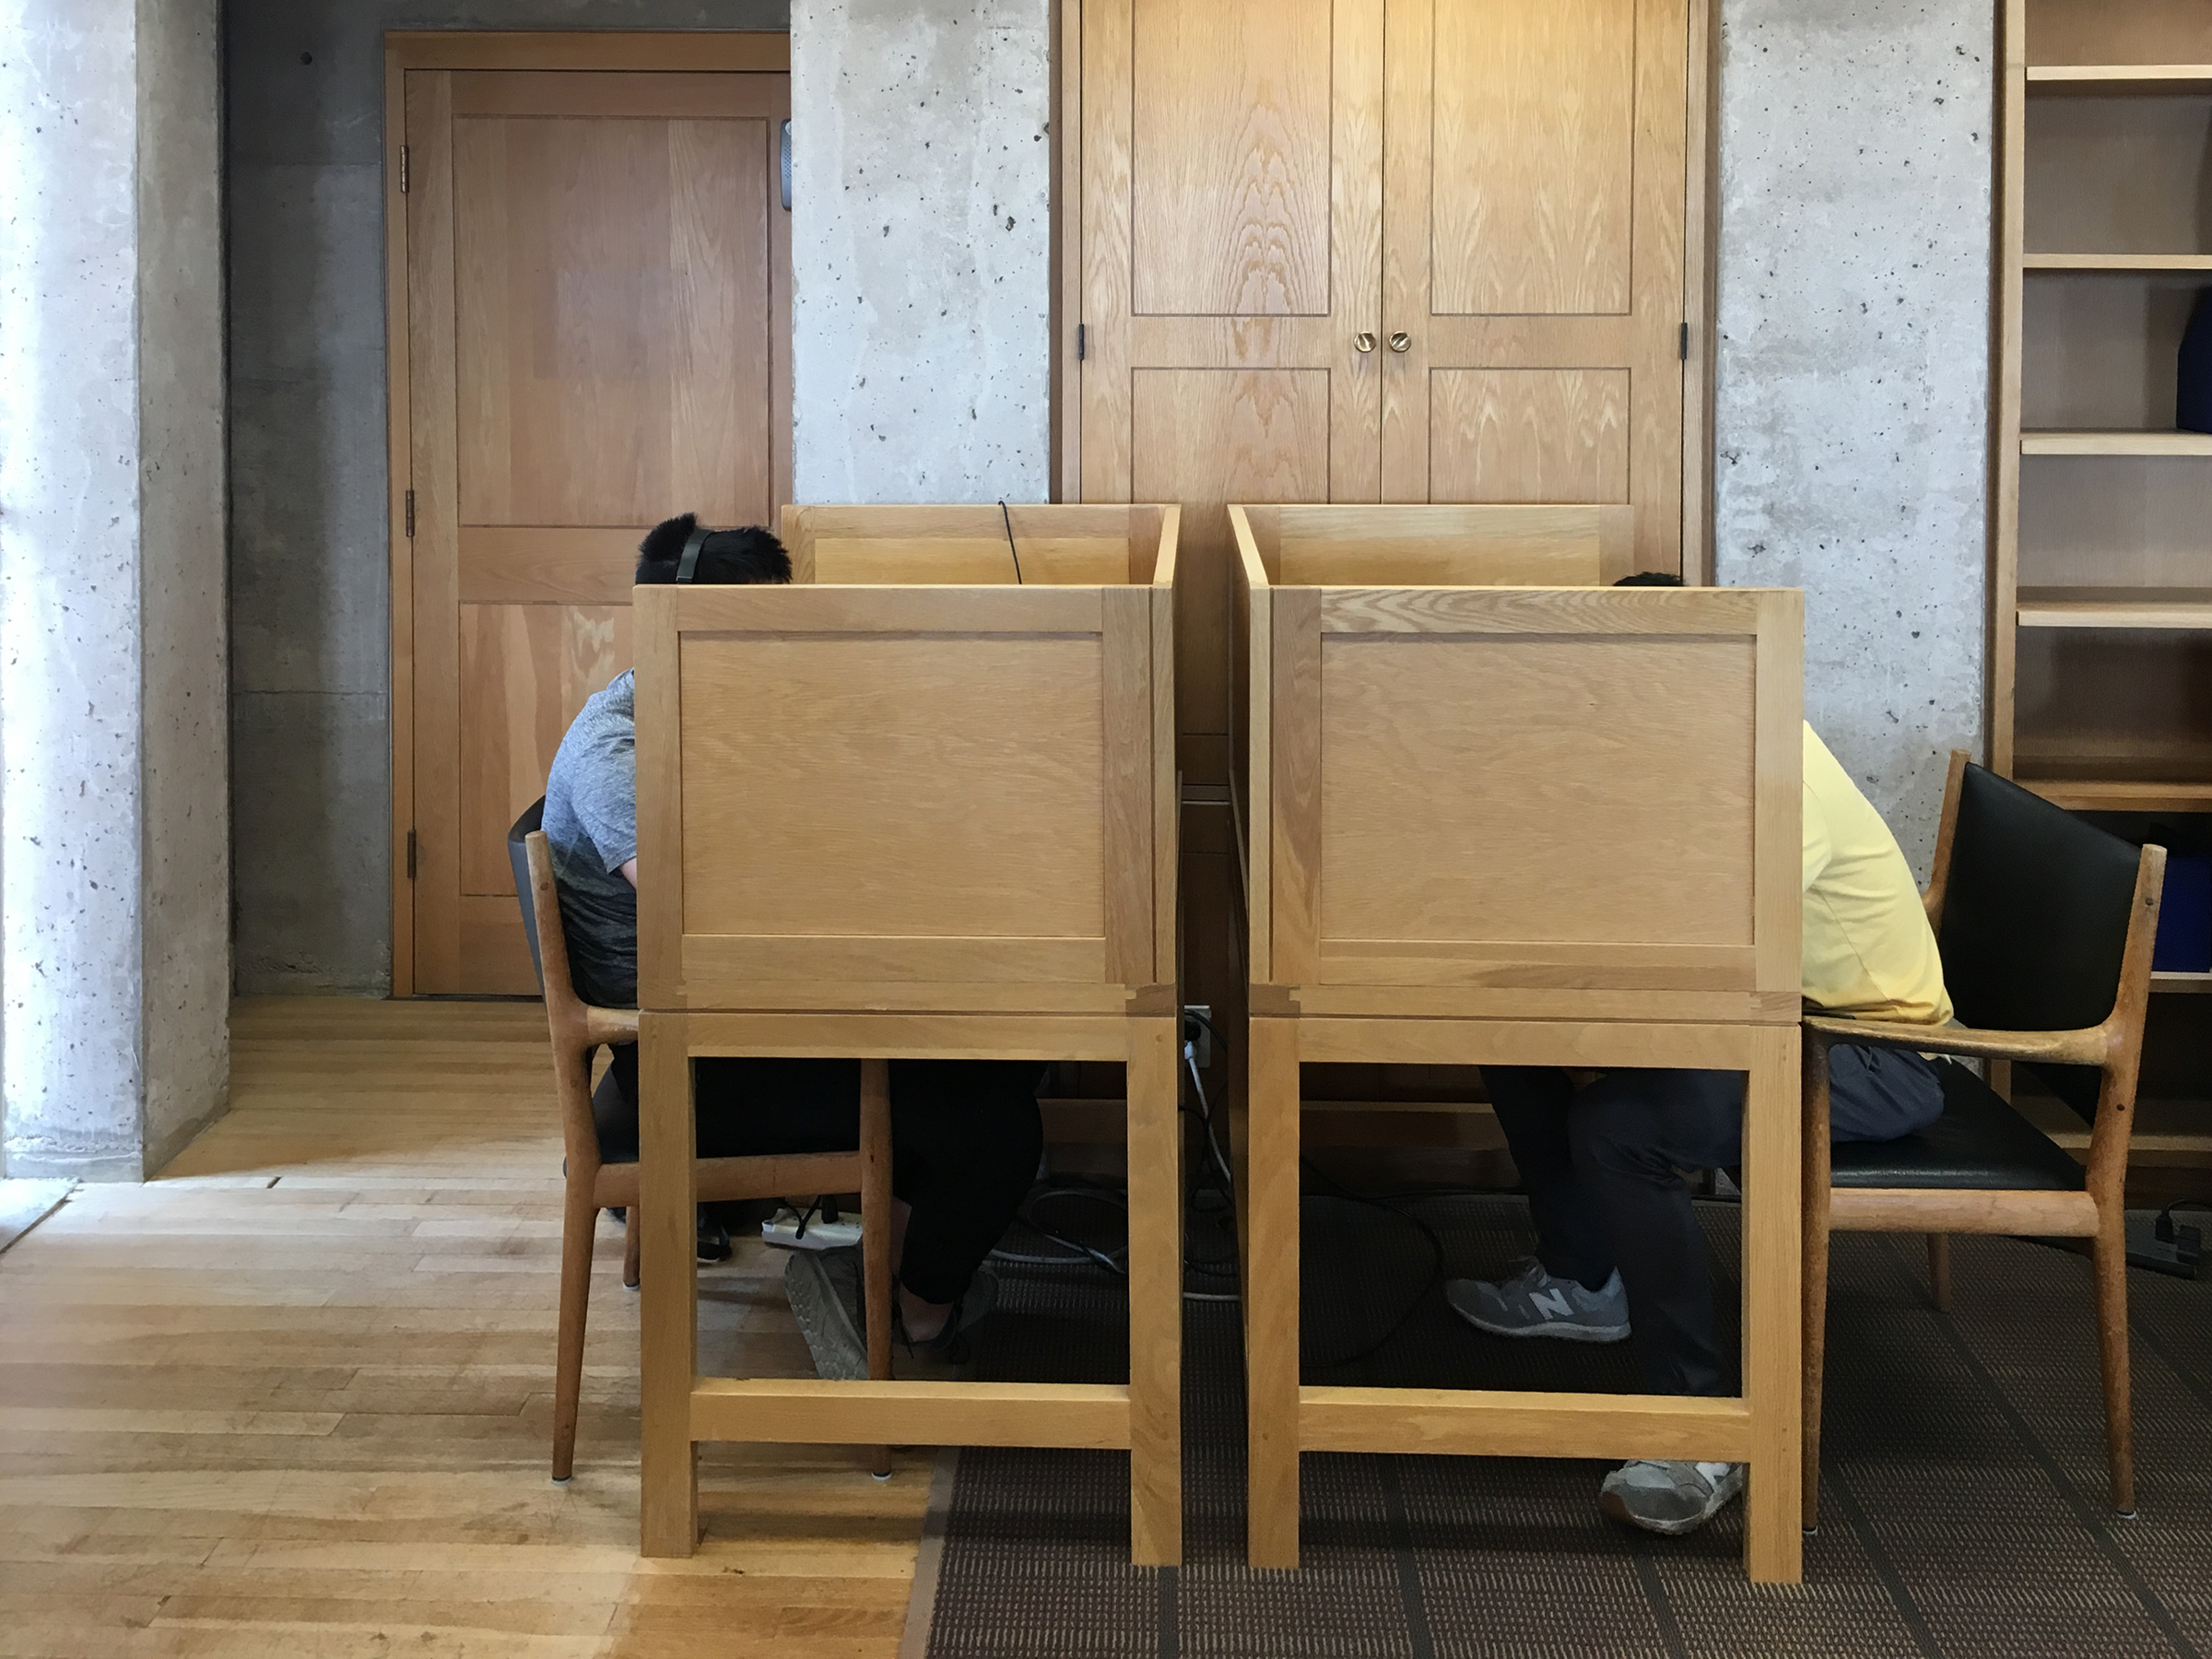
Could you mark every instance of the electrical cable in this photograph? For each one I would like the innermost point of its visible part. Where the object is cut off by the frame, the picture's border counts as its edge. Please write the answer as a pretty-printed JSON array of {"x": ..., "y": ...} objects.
[{"x": 1009, "y": 519}]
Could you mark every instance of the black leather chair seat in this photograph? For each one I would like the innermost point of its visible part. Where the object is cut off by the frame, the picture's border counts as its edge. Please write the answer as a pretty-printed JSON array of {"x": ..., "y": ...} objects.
[{"x": 1980, "y": 1141}]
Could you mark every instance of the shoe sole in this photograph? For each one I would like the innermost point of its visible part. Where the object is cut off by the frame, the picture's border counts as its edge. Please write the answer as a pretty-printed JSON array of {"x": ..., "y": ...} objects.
[
  {"x": 1561, "y": 1333},
  {"x": 822, "y": 1321},
  {"x": 1614, "y": 1506}
]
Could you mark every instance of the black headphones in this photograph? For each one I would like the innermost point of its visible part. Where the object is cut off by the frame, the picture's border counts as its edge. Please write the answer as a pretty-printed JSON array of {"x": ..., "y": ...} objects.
[{"x": 689, "y": 564}]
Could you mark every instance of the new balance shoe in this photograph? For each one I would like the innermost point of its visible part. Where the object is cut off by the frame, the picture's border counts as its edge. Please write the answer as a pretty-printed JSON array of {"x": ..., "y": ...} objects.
[
  {"x": 1669, "y": 1498},
  {"x": 1535, "y": 1303}
]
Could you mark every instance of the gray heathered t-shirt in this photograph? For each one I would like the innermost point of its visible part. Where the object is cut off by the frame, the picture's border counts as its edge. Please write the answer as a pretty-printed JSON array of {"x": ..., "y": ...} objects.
[{"x": 592, "y": 826}]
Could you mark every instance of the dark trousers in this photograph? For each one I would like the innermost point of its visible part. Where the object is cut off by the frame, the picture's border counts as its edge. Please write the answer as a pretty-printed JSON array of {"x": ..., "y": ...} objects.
[
  {"x": 1604, "y": 1167},
  {"x": 965, "y": 1140}
]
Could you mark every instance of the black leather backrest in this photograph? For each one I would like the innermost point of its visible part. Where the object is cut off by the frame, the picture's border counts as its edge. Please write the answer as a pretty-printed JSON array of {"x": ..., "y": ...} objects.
[
  {"x": 518, "y": 857},
  {"x": 2034, "y": 918}
]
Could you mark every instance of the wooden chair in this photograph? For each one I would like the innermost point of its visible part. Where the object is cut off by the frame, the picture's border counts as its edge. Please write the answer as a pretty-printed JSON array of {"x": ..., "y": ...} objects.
[
  {"x": 2046, "y": 926},
  {"x": 578, "y": 1030}
]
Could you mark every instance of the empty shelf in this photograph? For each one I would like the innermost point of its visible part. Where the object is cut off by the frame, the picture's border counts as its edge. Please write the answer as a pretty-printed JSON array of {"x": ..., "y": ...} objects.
[
  {"x": 2115, "y": 443},
  {"x": 2116, "y": 608}
]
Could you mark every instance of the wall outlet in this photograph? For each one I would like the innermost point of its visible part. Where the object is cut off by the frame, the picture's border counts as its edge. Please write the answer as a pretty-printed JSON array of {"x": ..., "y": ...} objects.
[{"x": 1194, "y": 1031}]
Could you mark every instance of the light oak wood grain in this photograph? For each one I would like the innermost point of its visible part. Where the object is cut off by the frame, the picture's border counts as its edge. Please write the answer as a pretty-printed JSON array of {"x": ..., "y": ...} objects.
[
  {"x": 1230, "y": 173},
  {"x": 1533, "y": 130},
  {"x": 320, "y": 1425},
  {"x": 1529, "y": 435}
]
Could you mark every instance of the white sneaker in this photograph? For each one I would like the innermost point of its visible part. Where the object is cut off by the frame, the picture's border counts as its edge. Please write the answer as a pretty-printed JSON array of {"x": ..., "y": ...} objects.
[
  {"x": 1669, "y": 1498},
  {"x": 1536, "y": 1304}
]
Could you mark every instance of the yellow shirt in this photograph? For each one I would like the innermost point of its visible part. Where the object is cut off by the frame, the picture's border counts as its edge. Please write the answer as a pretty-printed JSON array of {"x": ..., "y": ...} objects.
[{"x": 1868, "y": 948}]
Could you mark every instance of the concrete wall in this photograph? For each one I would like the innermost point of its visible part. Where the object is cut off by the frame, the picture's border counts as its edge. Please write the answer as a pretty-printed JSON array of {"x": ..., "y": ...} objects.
[
  {"x": 310, "y": 706},
  {"x": 921, "y": 250},
  {"x": 115, "y": 965},
  {"x": 1851, "y": 420}
]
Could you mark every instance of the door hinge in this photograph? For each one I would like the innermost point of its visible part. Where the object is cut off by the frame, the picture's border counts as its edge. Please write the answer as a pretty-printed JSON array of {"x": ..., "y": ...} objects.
[
  {"x": 1080, "y": 343},
  {"x": 1684, "y": 351},
  {"x": 410, "y": 515},
  {"x": 402, "y": 169},
  {"x": 410, "y": 855}
]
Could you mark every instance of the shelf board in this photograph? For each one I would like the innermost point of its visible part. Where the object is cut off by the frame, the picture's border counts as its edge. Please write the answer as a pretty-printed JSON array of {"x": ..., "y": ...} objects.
[
  {"x": 2116, "y": 608},
  {"x": 2116, "y": 262},
  {"x": 2187, "y": 984},
  {"x": 2119, "y": 78},
  {"x": 2052, "y": 442},
  {"x": 2107, "y": 795}
]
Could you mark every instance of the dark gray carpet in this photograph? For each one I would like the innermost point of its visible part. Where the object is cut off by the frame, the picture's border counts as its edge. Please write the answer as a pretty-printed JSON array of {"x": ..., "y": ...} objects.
[{"x": 1963, "y": 1496}]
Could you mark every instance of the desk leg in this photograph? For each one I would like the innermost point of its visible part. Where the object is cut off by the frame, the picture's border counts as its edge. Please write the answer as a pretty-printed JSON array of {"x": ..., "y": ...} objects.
[
  {"x": 668, "y": 1290},
  {"x": 1270, "y": 1204},
  {"x": 1155, "y": 1297},
  {"x": 1773, "y": 1310}
]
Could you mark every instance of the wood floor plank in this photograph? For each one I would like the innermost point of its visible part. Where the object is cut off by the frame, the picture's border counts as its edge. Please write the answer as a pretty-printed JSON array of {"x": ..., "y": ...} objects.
[{"x": 294, "y": 1396}]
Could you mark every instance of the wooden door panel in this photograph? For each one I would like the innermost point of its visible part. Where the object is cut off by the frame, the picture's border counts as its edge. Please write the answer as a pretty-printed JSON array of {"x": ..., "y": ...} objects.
[
  {"x": 1529, "y": 435},
  {"x": 1232, "y": 241},
  {"x": 1204, "y": 437},
  {"x": 1535, "y": 194},
  {"x": 597, "y": 321},
  {"x": 525, "y": 672},
  {"x": 1229, "y": 167},
  {"x": 1533, "y": 134},
  {"x": 597, "y": 384}
]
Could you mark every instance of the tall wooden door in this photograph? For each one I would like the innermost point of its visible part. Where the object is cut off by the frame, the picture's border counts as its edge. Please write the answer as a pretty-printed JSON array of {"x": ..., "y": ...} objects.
[
  {"x": 1533, "y": 210},
  {"x": 1231, "y": 267},
  {"x": 597, "y": 336}
]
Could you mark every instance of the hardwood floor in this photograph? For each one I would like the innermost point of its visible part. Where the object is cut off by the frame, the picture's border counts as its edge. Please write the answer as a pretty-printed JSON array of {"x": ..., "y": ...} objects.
[{"x": 294, "y": 1396}]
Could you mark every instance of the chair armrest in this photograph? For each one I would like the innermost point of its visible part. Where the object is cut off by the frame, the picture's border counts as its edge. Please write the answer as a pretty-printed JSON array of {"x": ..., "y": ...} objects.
[
  {"x": 2086, "y": 1047},
  {"x": 609, "y": 1025}
]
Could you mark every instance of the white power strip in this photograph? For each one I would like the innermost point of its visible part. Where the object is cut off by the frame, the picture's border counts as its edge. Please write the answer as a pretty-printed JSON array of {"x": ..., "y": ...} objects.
[{"x": 781, "y": 1229}]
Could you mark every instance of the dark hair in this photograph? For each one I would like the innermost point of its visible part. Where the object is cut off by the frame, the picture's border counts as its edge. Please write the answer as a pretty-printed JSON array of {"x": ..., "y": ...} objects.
[
  {"x": 727, "y": 558},
  {"x": 1651, "y": 579}
]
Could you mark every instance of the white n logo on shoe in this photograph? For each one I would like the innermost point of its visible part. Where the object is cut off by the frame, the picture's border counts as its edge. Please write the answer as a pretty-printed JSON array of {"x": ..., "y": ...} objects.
[{"x": 1553, "y": 1302}]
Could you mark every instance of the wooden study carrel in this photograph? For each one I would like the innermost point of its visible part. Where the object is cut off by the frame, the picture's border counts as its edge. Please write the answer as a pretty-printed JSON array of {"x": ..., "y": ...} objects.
[
  {"x": 918, "y": 804},
  {"x": 1550, "y": 825}
]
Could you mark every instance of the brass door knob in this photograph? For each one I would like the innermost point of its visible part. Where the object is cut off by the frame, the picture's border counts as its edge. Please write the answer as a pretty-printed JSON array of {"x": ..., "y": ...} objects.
[
  {"x": 1363, "y": 342},
  {"x": 1401, "y": 342}
]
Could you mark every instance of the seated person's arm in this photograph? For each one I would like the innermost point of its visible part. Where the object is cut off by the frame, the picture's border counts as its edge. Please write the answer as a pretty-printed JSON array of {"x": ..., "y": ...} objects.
[{"x": 630, "y": 871}]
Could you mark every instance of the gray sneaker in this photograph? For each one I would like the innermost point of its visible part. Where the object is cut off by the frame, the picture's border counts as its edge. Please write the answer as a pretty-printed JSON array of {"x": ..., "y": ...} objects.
[
  {"x": 1533, "y": 1303},
  {"x": 1670, "y": 1498},
  {"x": 823, "y": 1287}
]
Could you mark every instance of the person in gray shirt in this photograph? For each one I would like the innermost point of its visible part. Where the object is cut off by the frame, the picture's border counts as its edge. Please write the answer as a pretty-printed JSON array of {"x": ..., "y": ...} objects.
[{"x": 965, "y": 1135}]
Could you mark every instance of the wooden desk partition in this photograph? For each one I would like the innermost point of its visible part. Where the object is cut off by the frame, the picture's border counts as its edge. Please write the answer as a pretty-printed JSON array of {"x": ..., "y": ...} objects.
[
  {"x": 911, "y": 807},
  {"x": 1518, "y": 825}
]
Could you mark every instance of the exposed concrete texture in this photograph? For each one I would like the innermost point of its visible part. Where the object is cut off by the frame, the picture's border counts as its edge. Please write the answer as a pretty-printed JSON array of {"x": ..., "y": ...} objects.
[
  {"x": 114, "y": 969},
  {"x": 921, "y": 250},
  {"x": 1851, "y": 419},
  {"x": 310, "y": 607}
]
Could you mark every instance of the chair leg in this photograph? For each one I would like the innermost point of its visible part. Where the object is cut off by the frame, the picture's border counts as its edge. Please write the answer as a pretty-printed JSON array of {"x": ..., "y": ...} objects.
[
  {"x": 1815, "y": 1345},
  {"x": 631, "y": 1248},
  {"x": 876, "y": 1224},
  {"x": 1939, "y": 1270},
  {"x": 579, "y": 1218},
  {"x": 2111, "y": 1342}
]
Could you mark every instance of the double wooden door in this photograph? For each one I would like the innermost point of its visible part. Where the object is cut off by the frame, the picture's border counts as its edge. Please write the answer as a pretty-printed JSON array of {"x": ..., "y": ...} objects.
[
  {"x": 597, "y": 327},
  {"x": 1379, "y": 249}
]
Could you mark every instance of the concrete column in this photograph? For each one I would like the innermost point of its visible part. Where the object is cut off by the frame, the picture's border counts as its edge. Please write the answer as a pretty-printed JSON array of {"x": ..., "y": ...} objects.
[
  {"x": 921, "y": 250},
  {"x": 1851, "y": 414},
  {"x": 114, "y": 899}
]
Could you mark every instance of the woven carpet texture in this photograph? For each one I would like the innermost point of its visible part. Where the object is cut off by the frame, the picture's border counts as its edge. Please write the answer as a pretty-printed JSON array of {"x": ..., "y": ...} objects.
[{"x": 1963, "y": 1507}]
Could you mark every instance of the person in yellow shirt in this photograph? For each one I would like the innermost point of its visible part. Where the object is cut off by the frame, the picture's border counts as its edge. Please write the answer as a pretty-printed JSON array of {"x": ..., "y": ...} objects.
[{"x": 1603, "y": 1162}]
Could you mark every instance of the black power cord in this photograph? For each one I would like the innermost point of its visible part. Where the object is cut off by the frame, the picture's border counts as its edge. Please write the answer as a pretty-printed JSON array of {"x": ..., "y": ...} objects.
[{"x": 1007, "y": 518}]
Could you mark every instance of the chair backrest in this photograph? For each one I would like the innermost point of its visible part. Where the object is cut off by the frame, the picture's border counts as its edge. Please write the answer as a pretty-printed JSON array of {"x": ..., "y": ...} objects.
[
  {"x": 2036, "y": 909},
  {"x": 518, "y": 859}
]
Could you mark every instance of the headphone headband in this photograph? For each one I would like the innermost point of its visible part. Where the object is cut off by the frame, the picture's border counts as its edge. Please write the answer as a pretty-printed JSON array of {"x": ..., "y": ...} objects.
[{"x": 688, "y": 563}]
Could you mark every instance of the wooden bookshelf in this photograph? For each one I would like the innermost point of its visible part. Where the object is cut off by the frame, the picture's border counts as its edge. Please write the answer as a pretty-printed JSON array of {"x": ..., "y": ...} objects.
[{"x": 2100, "y": 592}]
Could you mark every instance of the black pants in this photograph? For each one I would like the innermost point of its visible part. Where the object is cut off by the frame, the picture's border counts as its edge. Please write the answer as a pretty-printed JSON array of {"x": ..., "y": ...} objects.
[
  {"x": 1604, "y": 1167},
  {"x": 965, "y": 1140}
]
